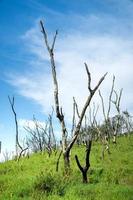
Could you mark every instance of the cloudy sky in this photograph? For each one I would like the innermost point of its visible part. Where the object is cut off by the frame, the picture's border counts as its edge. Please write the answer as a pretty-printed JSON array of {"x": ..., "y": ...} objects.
[{"x": 99, "y": 32}]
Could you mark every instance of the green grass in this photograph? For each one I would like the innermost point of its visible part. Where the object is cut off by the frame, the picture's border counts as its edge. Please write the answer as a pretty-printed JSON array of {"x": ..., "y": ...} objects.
[{"x": 35, "y": 178}]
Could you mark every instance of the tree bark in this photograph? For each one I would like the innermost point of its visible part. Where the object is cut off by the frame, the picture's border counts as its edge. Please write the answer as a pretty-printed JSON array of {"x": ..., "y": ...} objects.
[
  {"x": 84, "y": 170},
  {"x": 66, "y": 156}
]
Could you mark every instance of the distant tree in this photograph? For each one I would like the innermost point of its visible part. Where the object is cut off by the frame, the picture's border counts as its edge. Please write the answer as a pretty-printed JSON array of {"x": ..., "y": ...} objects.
[
  {"x": 116, "y": 102},
  {"x": 127, "y": 122},
  {"x": 20, "y": 149},
  {"x": 107, "y": 129},
  {"x": 0, "y": 146},
  {"x": 41, "y": 137},
  {"x": 88, "y": 130},
  {"x": 6, "y": 155}
]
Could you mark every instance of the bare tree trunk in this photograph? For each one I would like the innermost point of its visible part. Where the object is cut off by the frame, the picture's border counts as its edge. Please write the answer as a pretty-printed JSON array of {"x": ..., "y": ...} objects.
[
  {"x": 66, "y": 156},
  {"x": 114, "y": 138},
  {"x": 105, "y": 147},
  {"x": 58, "y": 160}
]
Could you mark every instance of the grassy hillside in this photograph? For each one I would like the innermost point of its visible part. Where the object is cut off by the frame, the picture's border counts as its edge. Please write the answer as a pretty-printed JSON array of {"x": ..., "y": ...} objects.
[{"x": 35, "y": 178}]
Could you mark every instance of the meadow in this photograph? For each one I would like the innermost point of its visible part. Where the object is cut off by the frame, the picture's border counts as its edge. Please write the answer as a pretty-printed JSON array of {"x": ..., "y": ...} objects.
[{"x": 35, "y": 178}]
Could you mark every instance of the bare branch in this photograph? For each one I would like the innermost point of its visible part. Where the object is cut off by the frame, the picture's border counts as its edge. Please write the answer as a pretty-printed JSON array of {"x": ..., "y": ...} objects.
[
  {"x": 110, "y": 96},
  {"x": 103, "y": 108},
  {"x": 116, "y": 102},
  {"x": 78, "y": 163},
  {"x": 100, "y": 81},
  {"x": 119, "y": 99},
  {"x": 76, "y": 106},
  {"x": 87, "y": 103},
  {"x": 45, "y": 36},
  {"x": 89, "y": 78},
  {"x": 54, "y": 40},
  {"x": 73, "y": 118}
]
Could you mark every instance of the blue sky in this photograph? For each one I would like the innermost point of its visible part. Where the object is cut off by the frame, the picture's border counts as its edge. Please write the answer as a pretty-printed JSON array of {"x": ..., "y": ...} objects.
[{"x": 99, "y": 32}]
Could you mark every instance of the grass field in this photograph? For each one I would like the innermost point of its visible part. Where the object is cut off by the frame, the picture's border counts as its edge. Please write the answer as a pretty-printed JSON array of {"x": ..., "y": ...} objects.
[{"x": 35, "y": 178}]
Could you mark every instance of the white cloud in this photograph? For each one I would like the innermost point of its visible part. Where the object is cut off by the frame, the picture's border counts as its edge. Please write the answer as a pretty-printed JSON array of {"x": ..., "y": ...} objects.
[
  {"x": 104, "y": 51},
  {"x": 30, "y": 123}
]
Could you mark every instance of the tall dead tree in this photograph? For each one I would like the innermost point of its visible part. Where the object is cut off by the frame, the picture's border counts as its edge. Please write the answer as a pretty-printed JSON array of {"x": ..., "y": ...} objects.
[
  {"x": 19, "y": 148},
  {"x": 66, "y": 147}
]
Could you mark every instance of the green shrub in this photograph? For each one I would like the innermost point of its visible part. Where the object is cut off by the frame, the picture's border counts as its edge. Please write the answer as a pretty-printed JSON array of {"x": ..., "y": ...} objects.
[{"x": 47, "y": 183}]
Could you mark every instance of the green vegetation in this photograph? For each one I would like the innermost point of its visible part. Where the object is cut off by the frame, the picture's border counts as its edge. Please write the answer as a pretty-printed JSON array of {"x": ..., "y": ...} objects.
[{"x": 35, "y": 178}]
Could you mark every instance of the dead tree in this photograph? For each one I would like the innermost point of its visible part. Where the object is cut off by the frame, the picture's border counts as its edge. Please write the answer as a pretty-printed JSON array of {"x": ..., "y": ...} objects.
[
  {"x": 0, "y": 146},
  {"x": 52, "y": 139},
  {"x": 19, "y": 148},
  {"x": 66, "y": 147},
  {"x": 107, "y": 113},
  {"x": 76, "y": 116},
  {"x": 35, "y": 139},
  {"x": 75, "y": 111},
  {"x": 88, "y": 130},
  {"x": 107, "y": 131},
  {"x": 116, "y": 102},
  {"x": 127, "y": 121},
  {"x": 92, "y": 119},
  {"x": 6, "y": 155},
  {"x": 87, "y": 164},
  {"x": 104, "y": 133},
  {"x": 94, "y": 123},
  {"x": 41, "y": 137}
]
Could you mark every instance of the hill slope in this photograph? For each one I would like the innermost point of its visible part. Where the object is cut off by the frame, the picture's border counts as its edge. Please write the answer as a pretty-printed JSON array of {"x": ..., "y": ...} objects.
[{"x": 35, "y": 178}]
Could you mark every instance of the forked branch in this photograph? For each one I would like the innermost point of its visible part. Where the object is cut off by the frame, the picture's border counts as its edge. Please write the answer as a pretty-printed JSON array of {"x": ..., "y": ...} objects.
[
  {"x": 87, "y": 164},
  {"x": 87, "y": 103}
]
